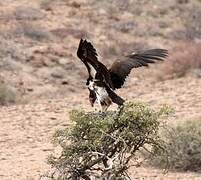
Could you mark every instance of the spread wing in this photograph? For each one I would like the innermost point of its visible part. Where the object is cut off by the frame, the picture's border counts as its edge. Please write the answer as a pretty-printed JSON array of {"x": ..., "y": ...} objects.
[
  {"x": 121, "y": 69},
  {"x": 88, "y": 55}
]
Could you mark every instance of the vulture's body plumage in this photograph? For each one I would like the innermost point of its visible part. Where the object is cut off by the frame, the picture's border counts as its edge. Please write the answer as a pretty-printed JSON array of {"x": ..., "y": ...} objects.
[{"x": 102, "y": 81}]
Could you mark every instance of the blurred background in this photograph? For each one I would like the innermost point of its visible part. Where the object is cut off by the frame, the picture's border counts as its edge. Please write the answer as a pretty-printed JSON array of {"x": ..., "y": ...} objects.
[{"x": 39, "y": 40}]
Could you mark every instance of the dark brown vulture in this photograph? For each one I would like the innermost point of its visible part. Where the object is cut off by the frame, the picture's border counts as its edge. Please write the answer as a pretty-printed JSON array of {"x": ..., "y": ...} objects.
[{"x": 102, "y": 81}]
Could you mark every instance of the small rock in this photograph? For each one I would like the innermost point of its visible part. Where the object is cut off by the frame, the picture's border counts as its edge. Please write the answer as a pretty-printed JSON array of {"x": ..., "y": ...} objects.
[
  {"x": 102, "y": 12},
  {"x": 64, "y": 82},
  {"x": 47, "y": 149},
  {"x": 58, "y": 72},
  {"x": 127, "y": 15},
  {"x": 30, "y": 89},
  {"x": 63, "y": 61},
  {"x": 43, "y": 72}
]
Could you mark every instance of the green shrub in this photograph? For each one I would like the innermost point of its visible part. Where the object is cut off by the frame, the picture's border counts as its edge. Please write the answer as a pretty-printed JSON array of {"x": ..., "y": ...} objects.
[
  {"x": 185, "y": 58},
  {"x": 46, "y": 4},
  {"x": 100, "y": 145},
  {"x": 182, "y": 146},
  {"x": 7, "y": 94},
  {"x": 35, "y": 32}
]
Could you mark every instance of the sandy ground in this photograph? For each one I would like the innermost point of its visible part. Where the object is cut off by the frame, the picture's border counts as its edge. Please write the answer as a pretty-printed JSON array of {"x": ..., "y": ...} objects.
[{"x": 26, "y": 130}]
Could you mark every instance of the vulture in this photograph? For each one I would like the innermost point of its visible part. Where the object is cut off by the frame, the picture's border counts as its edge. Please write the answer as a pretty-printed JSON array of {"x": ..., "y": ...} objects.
[{"x": 102, "y": 81}]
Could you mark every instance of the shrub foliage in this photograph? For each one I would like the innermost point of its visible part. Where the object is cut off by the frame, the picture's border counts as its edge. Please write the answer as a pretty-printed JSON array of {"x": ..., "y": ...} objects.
[
  {"x": 182, "y": 146},
  {"x": 185, "y": 58},
  {"x": 7, "y": 94},
  {"x": 101, "y": 145}
]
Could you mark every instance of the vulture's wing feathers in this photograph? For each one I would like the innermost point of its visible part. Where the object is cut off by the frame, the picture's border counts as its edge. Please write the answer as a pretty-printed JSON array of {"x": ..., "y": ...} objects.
[
  {"x": 87, "y": 53},
  {"x": 121, "y": 69}
]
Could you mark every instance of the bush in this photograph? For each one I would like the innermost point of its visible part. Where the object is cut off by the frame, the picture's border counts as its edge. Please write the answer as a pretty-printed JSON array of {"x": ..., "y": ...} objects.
[
  {"x": 193, "y": 23},
  {"x": 7, "y": 95},
  {"x": 190, "y": 15},
  {"x": 182, "y": 147},
  {"x": 46, "y": 5},
  {"x": 183, "y": 58},
  {"x": 28, "y": 13},
  {"x": 102, "y": 145},
  {"x": 35, "y": 32},
  {"x": 120, "y": 47}
]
